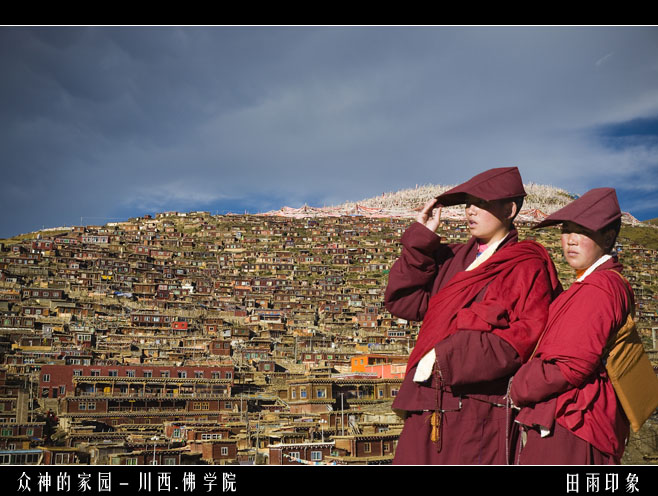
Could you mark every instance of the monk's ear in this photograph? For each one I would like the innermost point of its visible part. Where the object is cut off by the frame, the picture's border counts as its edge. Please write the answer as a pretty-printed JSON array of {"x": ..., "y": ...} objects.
[{"x": 511, "y": 210}]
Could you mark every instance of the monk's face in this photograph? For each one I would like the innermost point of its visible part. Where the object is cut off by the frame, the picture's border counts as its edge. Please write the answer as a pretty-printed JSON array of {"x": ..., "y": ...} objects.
[
  {"x": 489, "y": 221},
  {"x": 581, "y": 246}
]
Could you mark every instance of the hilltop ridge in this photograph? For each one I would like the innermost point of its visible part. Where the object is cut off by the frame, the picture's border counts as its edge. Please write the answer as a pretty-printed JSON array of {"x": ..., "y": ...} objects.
[
  {"x": 542, "y": 200},
  {"x": 541, "y": 197}
]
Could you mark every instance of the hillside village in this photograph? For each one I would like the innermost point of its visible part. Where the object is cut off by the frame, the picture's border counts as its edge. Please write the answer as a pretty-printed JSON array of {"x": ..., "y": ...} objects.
[{"x": 191, "y": 338}]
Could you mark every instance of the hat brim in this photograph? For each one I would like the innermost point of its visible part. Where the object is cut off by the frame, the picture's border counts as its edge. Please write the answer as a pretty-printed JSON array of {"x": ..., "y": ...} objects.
[
  {"x": 459, "y": 198},
  {"x": 548, "y": 222},
  {"x": 450, "y": 199}
]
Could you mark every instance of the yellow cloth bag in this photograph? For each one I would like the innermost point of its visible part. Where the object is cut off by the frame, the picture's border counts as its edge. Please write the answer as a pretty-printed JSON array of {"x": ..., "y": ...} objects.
[{"x": 631, "y": 373}]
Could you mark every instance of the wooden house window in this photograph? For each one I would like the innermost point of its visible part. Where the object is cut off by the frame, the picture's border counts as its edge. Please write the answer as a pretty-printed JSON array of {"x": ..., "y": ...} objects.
[
  {"x": 316, "y": 456},
  {"x": 224, "y": 451},
  {"x": 367, "y": 448}
]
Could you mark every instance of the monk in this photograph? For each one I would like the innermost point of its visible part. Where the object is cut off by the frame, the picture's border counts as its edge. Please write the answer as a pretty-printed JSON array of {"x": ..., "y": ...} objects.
[
  {"x": 483, "y": 305},
  {"x": 569, "y": 411}
]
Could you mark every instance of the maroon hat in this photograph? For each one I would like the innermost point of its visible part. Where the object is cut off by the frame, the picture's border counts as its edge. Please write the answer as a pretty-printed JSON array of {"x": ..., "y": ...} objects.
[
  {"x": 494, "y": 184},
  {"x": 594, "y": 210}
]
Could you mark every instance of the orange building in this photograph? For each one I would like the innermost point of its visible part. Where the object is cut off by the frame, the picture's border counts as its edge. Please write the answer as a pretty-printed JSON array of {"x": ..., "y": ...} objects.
[{"x": 385, "y": 366}]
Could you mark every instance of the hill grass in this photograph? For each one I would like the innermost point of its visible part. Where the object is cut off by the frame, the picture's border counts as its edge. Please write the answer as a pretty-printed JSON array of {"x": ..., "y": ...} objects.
[
  {"x": 20, "y": 238},
  {"x": 642, "y": 235}
]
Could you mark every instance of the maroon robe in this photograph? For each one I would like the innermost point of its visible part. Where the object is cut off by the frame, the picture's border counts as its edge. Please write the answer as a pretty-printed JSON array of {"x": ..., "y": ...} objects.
[
  {"x": 565, "y": 387},
  {"x": 475, "y": 364}
]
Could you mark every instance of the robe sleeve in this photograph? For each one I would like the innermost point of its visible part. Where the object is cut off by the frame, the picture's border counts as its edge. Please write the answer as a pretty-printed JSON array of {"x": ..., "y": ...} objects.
[
  {"x": 537, "y": 381},
  {"x": 472, "y": 357},
  {"x": 412, "y": 276}
]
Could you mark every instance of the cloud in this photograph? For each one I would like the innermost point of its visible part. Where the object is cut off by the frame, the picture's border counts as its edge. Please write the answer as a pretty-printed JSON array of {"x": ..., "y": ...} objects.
[
  {"x": 604, "y": 59},
  {"x": 105, "y": 121}
]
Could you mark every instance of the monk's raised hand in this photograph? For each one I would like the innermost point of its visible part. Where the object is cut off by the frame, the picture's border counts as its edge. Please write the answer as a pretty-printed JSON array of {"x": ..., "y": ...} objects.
[{"x": 430, "y": 216}]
